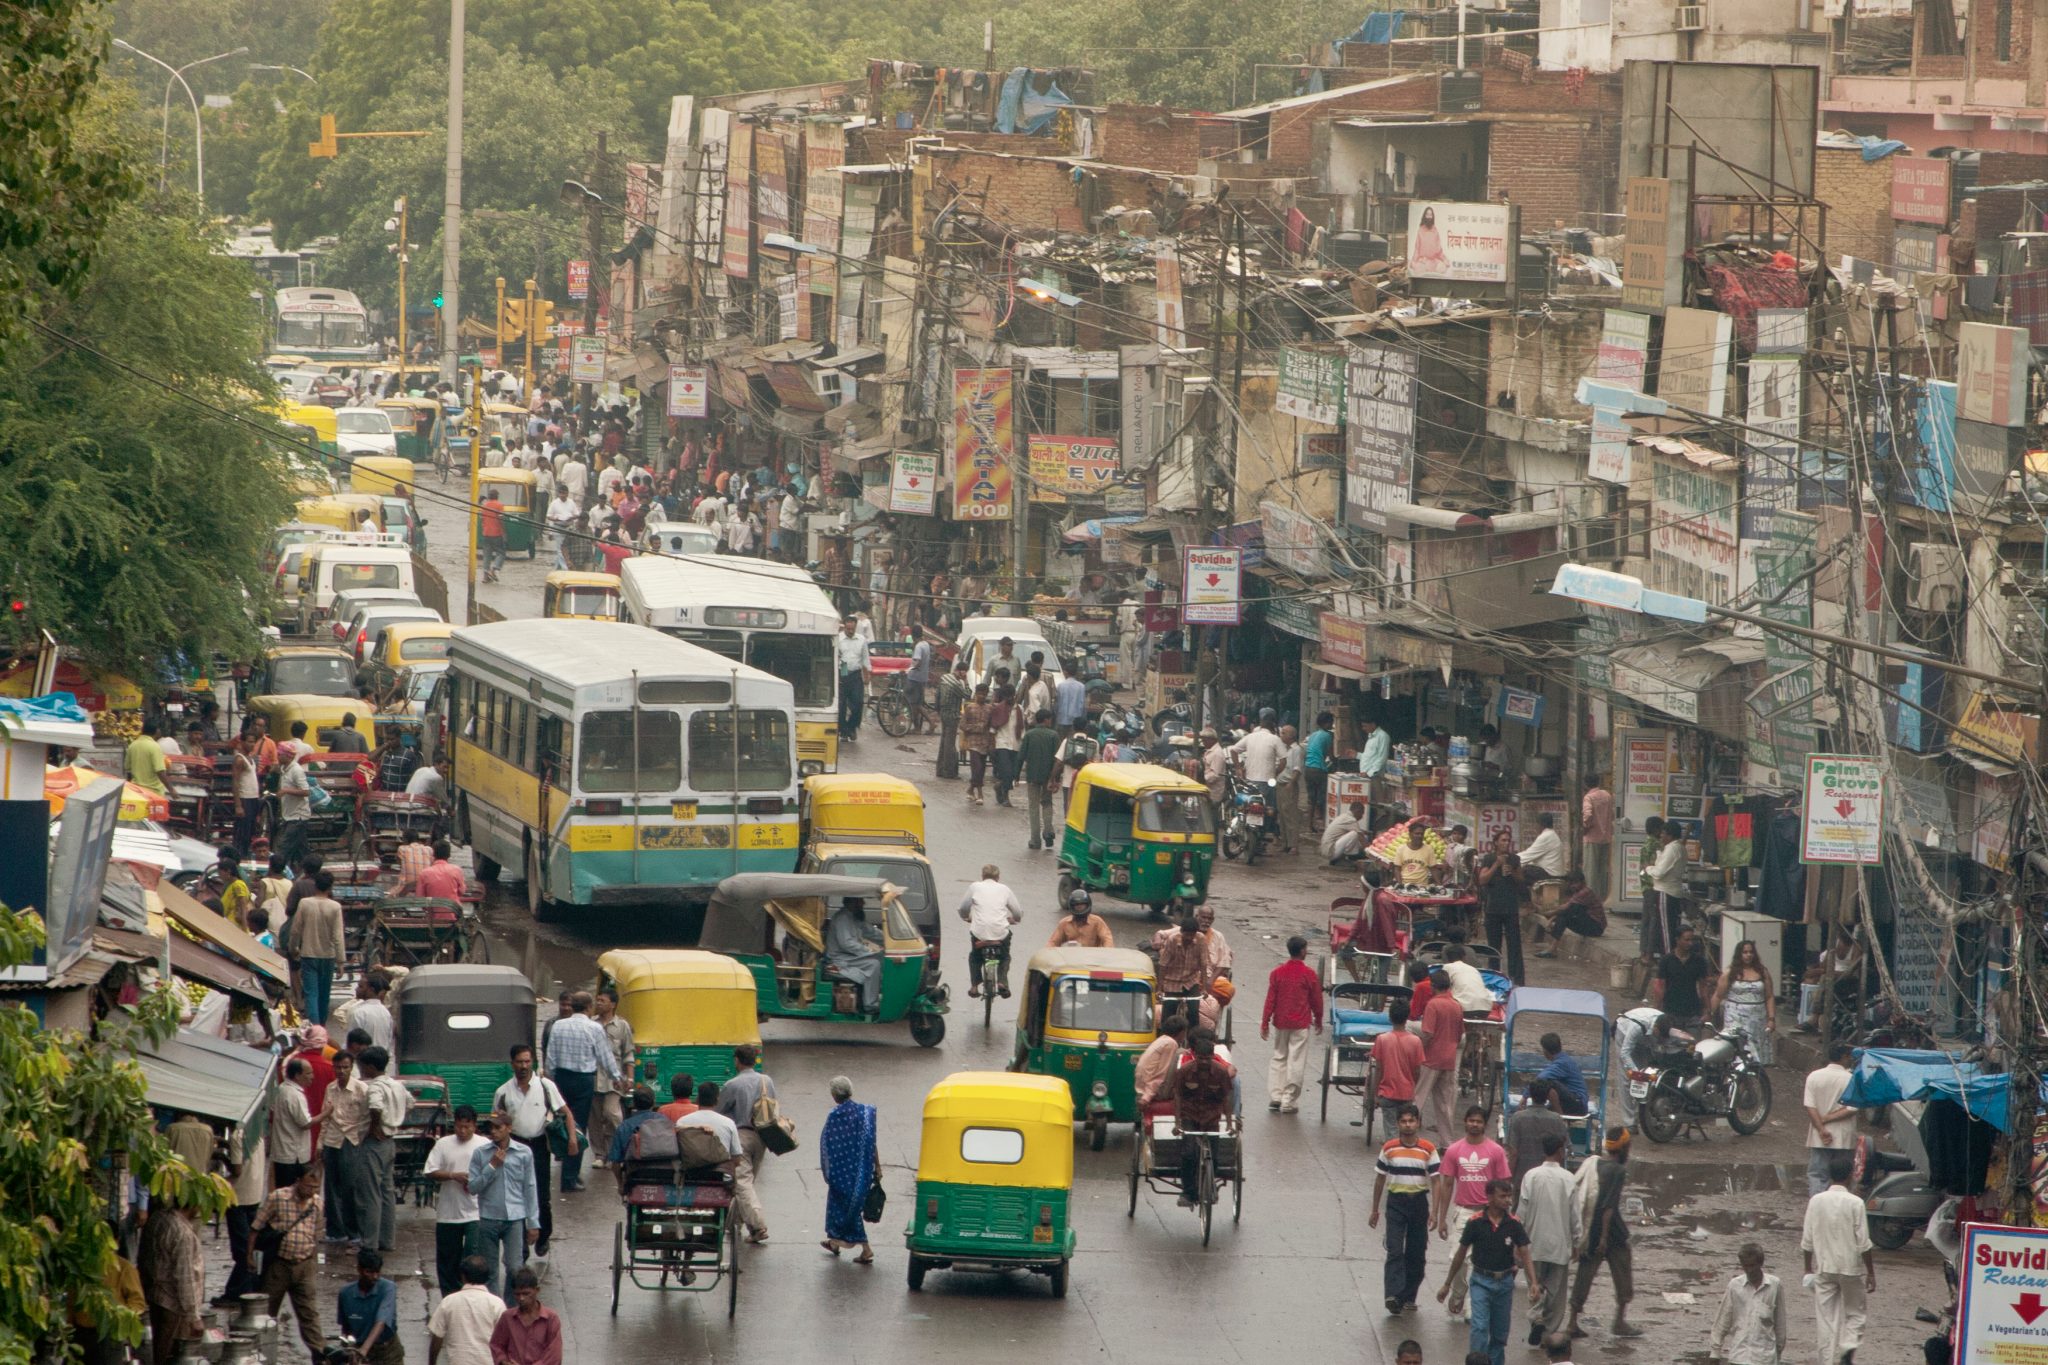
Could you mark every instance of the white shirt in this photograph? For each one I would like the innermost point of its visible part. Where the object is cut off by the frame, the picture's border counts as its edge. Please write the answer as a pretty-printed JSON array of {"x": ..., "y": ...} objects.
[
  {"x": 1468, "y": 986},
  {"x": 852, "y": 652},
  {"x": 1750, "y": 1329},
  {"x": 574, "y": 477},
  {"x": 1837, "y": 1232},
  {"x": 1290, "y": 762},
  {"x": 1263, "y": 754},
  {"x": 374, "y": 1018},
  {"x": 1336, "y": 832},
  {"x": 427, "y": 781},
  {"x": 463, "y": 1322},
  {"x": 291, "y": 1125},
  {"x": 1550, "y": 1212},
  {"x": 562, "y": 510},
  {"x": 1667, "y": 874},
  {"x": 170, "y": 747},
  {"x": 1374, "y": 756},
  {"x": 711, "y": 511},
  {"x": 294, "y": 790},
  {"x": 717, "y": 1123},
  {"x": 1823, "y": 1095},
  {"x": 528, "y": 1107},
  {"x": 990, "y": 908},
  {"x": 1546, "y": 851},
  {"x": 453, "y": 1203}
]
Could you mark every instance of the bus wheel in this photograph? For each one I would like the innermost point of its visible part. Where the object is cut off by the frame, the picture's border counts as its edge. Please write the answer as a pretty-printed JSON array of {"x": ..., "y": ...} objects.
[{"x": 539, "y": 904}]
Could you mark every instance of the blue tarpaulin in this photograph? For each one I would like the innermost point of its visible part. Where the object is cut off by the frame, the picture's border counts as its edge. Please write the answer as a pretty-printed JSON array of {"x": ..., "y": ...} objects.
[
  {"x": 1887, "y": 1075},
  {"x": 1377, "y": 28},
  {"x": 1024, "y": 110}
]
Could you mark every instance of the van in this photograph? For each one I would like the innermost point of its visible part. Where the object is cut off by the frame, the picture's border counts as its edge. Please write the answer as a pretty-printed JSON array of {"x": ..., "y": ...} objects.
[{"x": 329, "y": 569}]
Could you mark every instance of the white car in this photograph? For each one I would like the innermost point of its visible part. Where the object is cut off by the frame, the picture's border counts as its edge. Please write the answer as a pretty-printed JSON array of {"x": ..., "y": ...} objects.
[
  {"x": 981, "y": 642},
  {"x": 364, "y": 431}
]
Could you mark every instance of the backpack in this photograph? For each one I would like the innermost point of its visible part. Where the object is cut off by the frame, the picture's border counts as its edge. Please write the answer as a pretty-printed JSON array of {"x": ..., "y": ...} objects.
[{"x": 654, "y": 1140}]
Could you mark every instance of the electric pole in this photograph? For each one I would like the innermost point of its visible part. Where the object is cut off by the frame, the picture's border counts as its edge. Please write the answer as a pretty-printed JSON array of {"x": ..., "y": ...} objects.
[
  {"x": 593, "y": 240},
  {"x": 451, "y": 213}
]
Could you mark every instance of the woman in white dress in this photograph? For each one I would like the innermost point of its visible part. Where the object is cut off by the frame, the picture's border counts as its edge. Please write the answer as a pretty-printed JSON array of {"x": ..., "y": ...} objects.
[{"x": 1746, "y": 1000}]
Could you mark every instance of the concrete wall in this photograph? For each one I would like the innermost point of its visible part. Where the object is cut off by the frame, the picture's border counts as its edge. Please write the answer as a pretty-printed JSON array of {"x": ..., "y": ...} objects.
[
  {"x": 1858, "y": 194},
  {"x": 1267, "y": 447},
  {"x": 1600, "y": 35},
  {"x": 1541, "y": 360}
]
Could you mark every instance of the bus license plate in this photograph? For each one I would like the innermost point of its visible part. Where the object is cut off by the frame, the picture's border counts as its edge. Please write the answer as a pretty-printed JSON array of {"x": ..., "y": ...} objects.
[
  {"x": 682, "y": 810},
  {"x": 1041, "y": 1232}
]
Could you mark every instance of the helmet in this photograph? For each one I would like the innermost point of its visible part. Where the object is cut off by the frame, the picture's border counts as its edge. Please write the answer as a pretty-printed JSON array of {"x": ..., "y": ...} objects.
[{"x": 1079, "y": 899}]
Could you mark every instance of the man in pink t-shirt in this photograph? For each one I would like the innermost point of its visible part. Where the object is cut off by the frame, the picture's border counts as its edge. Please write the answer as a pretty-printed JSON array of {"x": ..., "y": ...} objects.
[
  {"x": 1443, "y": 1035},
  {"x": 441, "y": 878},
  {"x": 1468, "y": 1165}
]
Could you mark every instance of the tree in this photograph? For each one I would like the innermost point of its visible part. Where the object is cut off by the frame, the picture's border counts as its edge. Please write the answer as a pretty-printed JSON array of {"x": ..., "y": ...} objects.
[
  {"x": 74, "y": 1109},
  {"x": 57, "y": 187},
  {"x": 136, "y": 465}
]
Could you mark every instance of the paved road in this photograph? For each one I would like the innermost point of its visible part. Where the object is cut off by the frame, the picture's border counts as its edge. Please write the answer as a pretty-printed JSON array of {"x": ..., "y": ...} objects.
[{"x": 1301, "y": 1273}]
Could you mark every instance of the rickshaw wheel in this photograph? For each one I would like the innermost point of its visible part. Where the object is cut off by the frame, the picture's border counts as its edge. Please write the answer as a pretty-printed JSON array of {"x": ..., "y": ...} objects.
[
  {"x": 1059, "y": 1280},
  {"x": 1328, "y": 1049},
  {"x": 732, "y": 1274},
  {"x": 927, "y": 1030},
  {"x": 915, "y": 1274},
  {"x": 1137, "y": 1156},
  {"x": 618, "y": 1256},
  {"x": 478, "y": 946}
]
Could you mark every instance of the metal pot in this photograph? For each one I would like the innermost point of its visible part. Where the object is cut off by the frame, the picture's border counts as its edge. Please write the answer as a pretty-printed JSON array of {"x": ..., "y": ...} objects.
[{"x": 1539, "y": 766}]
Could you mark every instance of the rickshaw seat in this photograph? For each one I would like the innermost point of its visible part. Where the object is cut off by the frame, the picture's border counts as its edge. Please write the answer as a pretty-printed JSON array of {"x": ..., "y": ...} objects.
[{"x": 1358, "y": 1025}]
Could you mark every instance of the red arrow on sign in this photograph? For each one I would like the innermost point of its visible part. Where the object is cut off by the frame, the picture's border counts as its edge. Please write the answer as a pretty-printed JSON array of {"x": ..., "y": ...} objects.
[
  {"x": 1845, "y": 807},
  {"x": 1214, "y": 579},
  {"x": 2029, "y": 1307}
]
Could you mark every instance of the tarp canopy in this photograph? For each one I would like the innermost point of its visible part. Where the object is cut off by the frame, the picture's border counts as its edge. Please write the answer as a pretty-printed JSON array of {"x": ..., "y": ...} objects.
[
  {"x": 741, "y": 908},
  {"x": 203, "y": 1075},
  {"x": 1887, "y": 1075}
]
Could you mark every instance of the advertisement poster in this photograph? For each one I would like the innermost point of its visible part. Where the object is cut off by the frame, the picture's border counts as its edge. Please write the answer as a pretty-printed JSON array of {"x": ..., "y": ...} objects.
[
  {"x": 1607, "y": 458},
  {"x": 1624, "y": 348},
  {"x": 689, "y": 390},
  {"x": 586, "y": 360},
  {"x": 1341, "y": 641},
  {"x": 1209, "y": 585},
  {"x": 1648, "y": 770},
  {"x": 1379, "y": 461},
  {"x": 579, "y": 279},
  {"x": 1694, "y": 362},
  {"x": 1991, "y": 374},
  {"x": 1065, "y": 467},
  {"x": 1844, "y": 811},
  {"x": 1920, "y": 189},
  {"x": 914, "y": 483},
  {"x": 1451, "y": 241},
  {"x": 2000, "y": 1307},
  {"x": 1311, "y": 385},
  {"x": 739, "y": 202},
  {"x": 1173, "y": 320},
  {"x": 982, "y": 445}
]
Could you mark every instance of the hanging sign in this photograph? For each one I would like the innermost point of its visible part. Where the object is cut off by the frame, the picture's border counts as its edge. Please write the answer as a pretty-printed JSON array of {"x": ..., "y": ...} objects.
[
  {"x": 689, "y": 388},
  {"x": 1844, "y": 810},
  {"x": 1209, "y": 585}
]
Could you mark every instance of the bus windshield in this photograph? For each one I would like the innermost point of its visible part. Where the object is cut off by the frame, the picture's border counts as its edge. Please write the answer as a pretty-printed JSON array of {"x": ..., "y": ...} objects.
[
  {"x": 320, "y": 331},
  {"x": 729, "y": 643},
  {"x": 802, "y": 661},
  {"x": 606, "y": 756}
]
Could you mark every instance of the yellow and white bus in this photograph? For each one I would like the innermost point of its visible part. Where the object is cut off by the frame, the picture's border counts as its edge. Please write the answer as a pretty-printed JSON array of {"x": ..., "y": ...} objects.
[
  {"x": 615, "y": 765},
  {"x": 773, "y": 616}
]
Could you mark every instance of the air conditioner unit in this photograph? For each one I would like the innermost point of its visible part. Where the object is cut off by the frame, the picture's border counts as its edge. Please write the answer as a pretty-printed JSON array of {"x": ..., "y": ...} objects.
[
  {"x": 1691, "y": 18},
  {"x": 1934, "y": 575},
  {"x": 827, "y": 384}
]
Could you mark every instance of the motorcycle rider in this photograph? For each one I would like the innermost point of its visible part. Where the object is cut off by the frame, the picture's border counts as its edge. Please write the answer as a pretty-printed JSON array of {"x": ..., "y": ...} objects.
[
  {"x": 1082, "y": 927},
  {"x": 990, "y": 909}
]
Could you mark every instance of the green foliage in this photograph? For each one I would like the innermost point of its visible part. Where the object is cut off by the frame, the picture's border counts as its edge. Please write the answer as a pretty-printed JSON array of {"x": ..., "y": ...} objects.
[
  {"x": 71, "y": 1108},
  {"x": 138, "y": 518},
  {"x": 56, "y": 187}
]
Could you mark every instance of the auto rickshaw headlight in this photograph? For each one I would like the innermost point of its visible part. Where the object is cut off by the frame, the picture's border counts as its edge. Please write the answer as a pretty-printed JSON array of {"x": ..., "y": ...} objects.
[
  {"x": 810, "y": 767},
  {"x": 1099, "y": 1091}
]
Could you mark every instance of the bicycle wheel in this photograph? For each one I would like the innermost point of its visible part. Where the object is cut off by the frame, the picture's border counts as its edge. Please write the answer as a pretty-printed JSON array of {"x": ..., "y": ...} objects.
[
  {"x": 1205, "y": 1186},
  {"x": 892, "y": 713}
]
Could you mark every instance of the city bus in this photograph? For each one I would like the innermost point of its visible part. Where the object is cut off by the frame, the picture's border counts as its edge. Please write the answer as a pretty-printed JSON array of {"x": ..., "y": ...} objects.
[
  {"x": 322, "y": 324},
  {"x": 612, "y": 765},
  {"x": 773, "y": 616}
]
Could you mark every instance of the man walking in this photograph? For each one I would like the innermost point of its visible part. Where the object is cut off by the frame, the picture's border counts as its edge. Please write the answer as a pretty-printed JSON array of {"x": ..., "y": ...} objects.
[
  {"x": 510, "y": 1193},
  {"x": 1750, "y": 1328},
  {"x": 854, "y": 668},
  {"x": 953, "y": 694},
  {"x": 371, "y": 1014},
  {"x": 1039, "y": 754},
  {"x": 528, "y": 1334},
  {"x": 1528, "y": 1129},
  {"x": 608, "y": 1110},
  {"x": 1607, "y": 1239},
  {"x": 315, "y": 934},
  {"x": 1839, "y": 1264},
  {"x": 1396, "y": 1060},
  {"x": 578, "y": 1053},
  {"x": 293, "y": 1270},
  {"x": 1406, "y": 1169},
  {"x": 1470, "y": 1166},
  {"x": 738, "y": 1100},
  {"x": 459, "y": 1331},
  {"x": 1294, "y": 1006},
  {"x": 1830, "y": 1125},
  {"x": 1497, "y": 1243},
  {"x": 455, "y": 1210},
  {"x": 294, "y": 809},
  {"x": 531, "y": 1101},
  {"x": 1549, "y": 1209},
  {"x": 376, "y": 1191},
  {"x": 1443, "y": 1037}
]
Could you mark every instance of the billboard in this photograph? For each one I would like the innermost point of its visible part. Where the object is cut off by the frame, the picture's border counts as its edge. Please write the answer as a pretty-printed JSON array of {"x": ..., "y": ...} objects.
[
  {"x": 1991, "y": 374},
  {"x": 1065, "y": 467},
  {"x": 1624, "y": 348},
  {"x": 1379, "y": 456},
  {"x": 1210, "y": 575},
  {"x": 983, "y": 445},
  {"x": 1473, "y": 243},
  {"x": 1311, "y": 385},
  {"x": 1693, "y": 364},
  {"x": 689, "y": 390},
  {"x": 913, "y": 483},
  {"x": 1920, "y": 189}
]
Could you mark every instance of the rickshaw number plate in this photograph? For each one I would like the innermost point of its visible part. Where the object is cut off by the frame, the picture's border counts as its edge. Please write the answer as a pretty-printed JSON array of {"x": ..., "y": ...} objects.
[
  {"x": 1073, "y": 1063},
  {"x": 1162, "y": 858},
  {"x": 1041, "y": 1233},
  {"x": 682, "y": 810}
]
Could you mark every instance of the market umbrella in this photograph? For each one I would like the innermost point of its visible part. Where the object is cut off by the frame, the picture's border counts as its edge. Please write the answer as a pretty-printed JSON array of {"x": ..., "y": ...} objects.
[{"x": 137, "y": 803}]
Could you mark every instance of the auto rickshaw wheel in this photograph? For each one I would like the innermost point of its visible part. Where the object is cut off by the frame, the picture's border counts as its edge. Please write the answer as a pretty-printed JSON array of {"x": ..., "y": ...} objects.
[
  {"x": 1098, "y": 1132},
  {"x": 1059, "y": 1280},
  {"x": 927, "y": 1030},
  {"x": 1067, "y": 888},
  {"x": 915, "y": 1274}
]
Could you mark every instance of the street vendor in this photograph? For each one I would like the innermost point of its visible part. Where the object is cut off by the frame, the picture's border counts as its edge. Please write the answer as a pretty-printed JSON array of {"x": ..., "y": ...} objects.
[{"x": 1417, "y": 859}]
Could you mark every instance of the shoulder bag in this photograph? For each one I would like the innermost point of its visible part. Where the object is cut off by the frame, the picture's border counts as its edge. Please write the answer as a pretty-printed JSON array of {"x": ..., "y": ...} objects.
[
  {"x": 777, "y": 1132},
  {"x": 270, "y": 1240},
  {"x": 557, "y": 1129}
]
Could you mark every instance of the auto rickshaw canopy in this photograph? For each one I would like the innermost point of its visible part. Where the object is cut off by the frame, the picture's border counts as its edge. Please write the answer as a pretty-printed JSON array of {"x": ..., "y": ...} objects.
[
  {"x": 513, "y": 487},
  {"x": 998, "y": 1128},
  {"x": 1131, "y": 781},
  {"x": 745, "y": 908},
  {"x": 683, "y": 996},
  {"x": 864, "y": 808}
]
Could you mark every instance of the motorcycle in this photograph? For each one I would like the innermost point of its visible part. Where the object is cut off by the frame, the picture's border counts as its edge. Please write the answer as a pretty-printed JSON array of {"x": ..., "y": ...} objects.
[
  {"x": 1250, "y": 811},
  {"x": 1717, "y": 1077},
  {"x": 1897, "y": 1194}
]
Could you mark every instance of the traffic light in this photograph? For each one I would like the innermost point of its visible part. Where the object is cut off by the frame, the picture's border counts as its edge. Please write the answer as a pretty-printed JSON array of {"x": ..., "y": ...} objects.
[
  {"x": 327, "y": 146},
  {"x": 440, "y": 300},
  {"x": 512, "y": 322},
  {"x": 543, "y": 321}
]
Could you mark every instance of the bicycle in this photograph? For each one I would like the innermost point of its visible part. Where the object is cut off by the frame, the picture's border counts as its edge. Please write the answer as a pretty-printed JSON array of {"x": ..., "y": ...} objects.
[
  {"x": 990, "y": 977},
  {"x": 893, "y": 708}
]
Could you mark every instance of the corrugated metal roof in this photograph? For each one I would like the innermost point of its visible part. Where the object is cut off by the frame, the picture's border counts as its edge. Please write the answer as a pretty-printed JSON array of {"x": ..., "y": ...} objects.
[{"x": 1706, "y": 457}]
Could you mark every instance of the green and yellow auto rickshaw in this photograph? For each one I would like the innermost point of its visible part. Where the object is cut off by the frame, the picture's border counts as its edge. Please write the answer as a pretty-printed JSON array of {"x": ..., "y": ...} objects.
[
  {"x": 1139, "y": 833},
  {"x": 995, "y": 1177},
  {"x": 458, "y": 1021},
  {"x": 1086, "y": 1015},
  {"x": 689, "y": 1009},
  {"x": 514, "y": 489},
  {"x": 810, "y": 960}
]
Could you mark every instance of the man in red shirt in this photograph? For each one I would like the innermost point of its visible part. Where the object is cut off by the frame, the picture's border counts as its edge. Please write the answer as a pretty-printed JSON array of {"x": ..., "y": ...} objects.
[
  {"x": 442, "y": 878},
  {"x": 528, "y": 1333},
  {"x": 1294, "y": 1005},
  {"x": 491, "y": 535},
  {"x": 1443, "y": 1035},
  {"x": 1396, "y": 1058}
]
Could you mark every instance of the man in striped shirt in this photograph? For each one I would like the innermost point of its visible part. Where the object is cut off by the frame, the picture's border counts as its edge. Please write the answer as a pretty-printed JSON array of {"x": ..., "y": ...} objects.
[
  {"x": 1407, "y": 1171},
  {"x": 578, "y": 1051}
]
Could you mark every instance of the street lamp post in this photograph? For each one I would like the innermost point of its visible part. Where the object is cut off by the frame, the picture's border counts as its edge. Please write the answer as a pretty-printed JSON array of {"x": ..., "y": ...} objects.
[
  {"x": 265, "y": 66},
  {"x": 198, "y": 129}
]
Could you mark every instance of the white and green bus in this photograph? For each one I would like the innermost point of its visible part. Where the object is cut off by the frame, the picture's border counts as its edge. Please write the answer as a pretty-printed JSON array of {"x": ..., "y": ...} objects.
[{"x": 615, "y": 765}]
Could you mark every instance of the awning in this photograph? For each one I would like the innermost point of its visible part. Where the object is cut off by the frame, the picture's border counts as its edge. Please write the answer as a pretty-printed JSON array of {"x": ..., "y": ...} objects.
[
  {"x": 1668, "y": 676},
  {"x": 1338, "y": 671},
  {"x": 85, "y": 970},
  {"x": 1734, "y": 649},
  {"x": 239, "y": 942},
  {"x": 206, "y": 1076},
  {"x": 849, "y": 357},
  {"x": 1888, "y": 1075},
  {"x": 1093, "y": 528},
  {"x": 1504, "y": 523},
  {"x": 1706, "y": 457},
  {"x": 1986, "y": 766},
  {"x": 1064, "y": 362},
  {"x": 1441, "y": 518},
  {"x": 857, "y": 451},
  {"x": 793, "y": 389}
]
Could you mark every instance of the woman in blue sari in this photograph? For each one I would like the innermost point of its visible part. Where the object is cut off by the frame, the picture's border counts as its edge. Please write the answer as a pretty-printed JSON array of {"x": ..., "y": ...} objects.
[{"x": 848, "y": 1158}]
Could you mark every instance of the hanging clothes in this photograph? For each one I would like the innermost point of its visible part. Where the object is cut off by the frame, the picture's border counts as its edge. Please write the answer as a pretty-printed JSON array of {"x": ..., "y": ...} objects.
[
  {"x": 1958, "y": 1147},
  {"x": 1781, "y": 887}
]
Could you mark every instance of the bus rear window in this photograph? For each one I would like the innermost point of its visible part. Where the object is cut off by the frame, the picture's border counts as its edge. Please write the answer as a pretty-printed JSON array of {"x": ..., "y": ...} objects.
[
  {"x": 606, "y": 760},
  {"x": 756, "y": 759}
]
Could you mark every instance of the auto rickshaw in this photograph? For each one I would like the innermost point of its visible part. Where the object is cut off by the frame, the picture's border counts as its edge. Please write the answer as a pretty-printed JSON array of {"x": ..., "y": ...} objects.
[
  {"x": 318, "y": 419},
  {"x": 872, "y": 825},
  {"x": 341, "y": 511},
  {"x": 995, "y": 1175},
  {"x": 321, "y": 714},
  {"x": 458, "y": 1021},
  {"x": 513, "y": 488},
  {"x": 569, "y": 595},
  {"x": 406, "y": 414},
  {"x": 1086, "y": 1015},
  {"x": 778, "y": 924},
  {"x": 689, "y": 1009},
  {"x": 506, "y": 420},
  {"x": 382, "y": 475},
  {"x": 1140, "y": 833}
]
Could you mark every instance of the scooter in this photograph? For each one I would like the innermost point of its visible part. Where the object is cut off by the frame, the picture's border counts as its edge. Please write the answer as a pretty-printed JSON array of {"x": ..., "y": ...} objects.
[
  {"x": 1897, "y": 1194},
  {"x": 1717, "y": 1077}
]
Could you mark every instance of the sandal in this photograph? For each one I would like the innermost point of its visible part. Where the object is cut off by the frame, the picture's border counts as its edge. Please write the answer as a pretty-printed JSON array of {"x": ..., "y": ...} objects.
[
  {"x": 757, "y": 1238},
  {"x": 866, "y": 1257},
  {"x": 830, "y": 1246}
]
